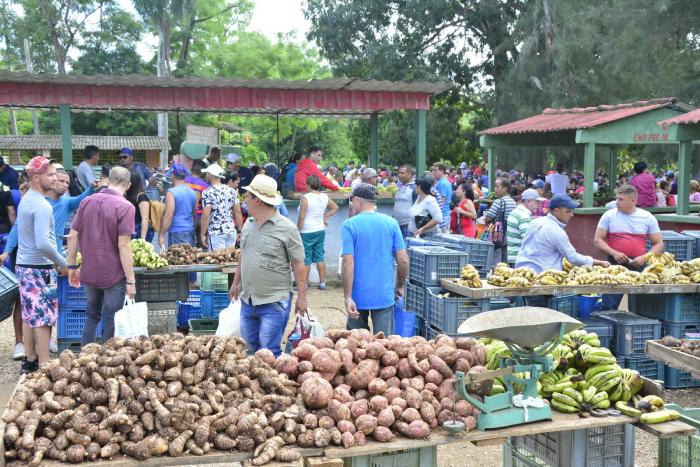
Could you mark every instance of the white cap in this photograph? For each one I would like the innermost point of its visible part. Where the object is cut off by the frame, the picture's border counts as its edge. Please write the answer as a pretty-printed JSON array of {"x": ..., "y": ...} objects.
[
  {"x": 232, "y": 157},
  {"x": 215, "y": 170},
  {"x": 531, "y": 194}
]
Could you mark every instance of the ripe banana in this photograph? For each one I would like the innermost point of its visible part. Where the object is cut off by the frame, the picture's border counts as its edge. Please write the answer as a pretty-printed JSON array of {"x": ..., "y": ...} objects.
[
  {"x": 660, "y": 416},
  {"x": 628, "y": 410}
]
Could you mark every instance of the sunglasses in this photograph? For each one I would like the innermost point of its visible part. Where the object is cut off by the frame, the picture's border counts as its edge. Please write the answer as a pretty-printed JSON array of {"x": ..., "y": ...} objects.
[{"x": 123, "y": 157}]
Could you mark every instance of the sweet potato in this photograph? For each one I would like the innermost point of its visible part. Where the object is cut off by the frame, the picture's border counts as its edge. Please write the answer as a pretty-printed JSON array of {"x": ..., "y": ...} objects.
[
  {"x": 433, "y": 376},
  {"x": 361, "y": 335},
  {"x": 386, "y": 417},
  {"x": 427, "y": 412},
  {"x": 359, "y": 407},
  {"x": 445, "y": 389},
  {"x": 417, "y": 383},
  {"x": 304, "y": 351},
  {"x": 447, "y": 415},
  {"x": 466, "y": 355},
  {"x": 266, "y": 356},
  {"x": 346, "y": 426},
  {"x": 423, "y": 350},
  {"x": 462, "y": 365},
  {"x": 427, "y": 396},
  {"x": 326, "y": 422},
  {"x": 343, "y": 395},
  {"x": 303, "y": 377},
  {"x": 413, "y": 397},
  {"x": 378, "y": 403},
  {"x": 396, "y": 411},
  {"x": 387, "y": 372},
  {"x": 348, "y": 440},
  {"x": 359, "y": 355},
  {"x": 404, "y": 369},
  {"x": 316, "y": 393},
  {"x": 361, "y": 394},
  {"x": 479, "y": 353},
  {"x": 346, "y": 358},
  {"x": 391, "y": 393},
  {"x": 337, "y": 380},
  {"x": 337, "y": 334},
  {"x": 447, "y": 354},
  {"x": 465, "y": 343},
  {"x": 375, "y": 350},
  {"x": 418, "y": 429},
  {"x": 377, "y": 386},
  {"x": 305, "y": 366},
  {"x": 326, "y": 361},
  {"x": 288, "y": 365},
  {"x": 321, "y": 342},
  {"x": 463, "y": 408},
  {"x": 338, "y": 411},
  {"x": 413, "y": 361},
  {"x": 432, "y": 388},
  {"x": 470, "y": 423},
  {"x": 365, "y": 372},
  {"x": 402, "y": 347},
  {"x": 366, "y": 424},
  {"x": 446, "y": 403},
  {"x": 390, "y": 358},
  {"x": 410, "y": 414},
  {"x": 424, "y": 366},
  {"x": 400, "y": 402},
  {"x": 440, "y": 365},
  {"x": 443, "y": 340},
  {"x": 393, "y": 382},
  {"x": 483, "y": 387},
  {"x": 383, "y": 434},
  {"x": 360, "y": 439}
]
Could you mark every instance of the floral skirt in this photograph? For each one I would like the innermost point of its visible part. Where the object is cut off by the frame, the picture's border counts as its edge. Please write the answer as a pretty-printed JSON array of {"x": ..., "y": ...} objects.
[{"x": 38, "y": 291}]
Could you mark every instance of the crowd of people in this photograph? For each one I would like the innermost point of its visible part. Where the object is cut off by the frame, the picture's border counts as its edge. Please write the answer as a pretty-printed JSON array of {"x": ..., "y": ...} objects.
[{"x": 218, "y": 203}]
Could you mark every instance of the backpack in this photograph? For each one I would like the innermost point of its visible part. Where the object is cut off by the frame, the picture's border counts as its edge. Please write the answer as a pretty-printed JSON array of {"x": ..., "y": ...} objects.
[
  {"x": 74, "y": 188},
  {"x": 156, "y": 209}
]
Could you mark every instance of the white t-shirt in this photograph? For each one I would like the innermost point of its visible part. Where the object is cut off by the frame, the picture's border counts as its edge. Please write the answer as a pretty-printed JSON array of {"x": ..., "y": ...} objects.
[
  {"x": 558, "y": 182},
  {"x": 316, "y": 207},
  {"x": 429, "y": 205}
]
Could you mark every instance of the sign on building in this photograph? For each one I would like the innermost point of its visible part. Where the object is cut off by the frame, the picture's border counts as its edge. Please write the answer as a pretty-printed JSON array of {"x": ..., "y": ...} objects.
[{"x": 202, "y": 135}]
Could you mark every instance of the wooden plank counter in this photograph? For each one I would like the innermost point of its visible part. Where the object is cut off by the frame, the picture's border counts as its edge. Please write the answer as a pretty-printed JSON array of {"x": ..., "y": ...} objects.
[
  {"x": 187, "y": 268},
  {"x": 674, "y": 358},
  {"x": 491, "y": 291}
]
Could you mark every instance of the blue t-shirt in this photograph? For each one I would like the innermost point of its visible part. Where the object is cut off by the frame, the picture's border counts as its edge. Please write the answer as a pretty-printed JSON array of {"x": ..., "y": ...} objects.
[
  {"x": 445, "y": 189},
  {"x": 373, "y": 239},
  {"x": 185, "y": 201}
]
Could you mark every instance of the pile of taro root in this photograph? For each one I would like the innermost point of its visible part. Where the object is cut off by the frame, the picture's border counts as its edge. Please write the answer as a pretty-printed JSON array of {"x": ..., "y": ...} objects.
[{"x": 189, "y": 395}]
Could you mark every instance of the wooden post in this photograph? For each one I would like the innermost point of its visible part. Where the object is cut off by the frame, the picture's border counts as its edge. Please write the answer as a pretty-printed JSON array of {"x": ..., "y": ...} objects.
[
  {"x": 66, "y": 136},
  {"x": 613, "y": 168},
  {"x": 685, "y": 150},
  {"x": 588, "y": 174},
  {"x": 491, "y": 168},
  {"x": 374, "y": 141},
  {"x": 421, "y": 117}
]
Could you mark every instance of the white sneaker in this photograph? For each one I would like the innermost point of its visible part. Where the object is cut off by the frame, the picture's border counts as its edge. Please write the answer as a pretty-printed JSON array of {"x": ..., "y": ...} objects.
[
  {"x": 19, "y": 352},
  {"x": 53, "y": 345}
]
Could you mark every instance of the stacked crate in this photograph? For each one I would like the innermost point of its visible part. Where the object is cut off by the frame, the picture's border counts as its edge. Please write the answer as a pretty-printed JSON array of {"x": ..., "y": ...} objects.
[
  {"x": 480, "y": 252},
  {"x": 679, "y": 314},
  {"x": 9, "y": 290},
  {"x": 630, "y": 333},
  {"x": 200, "y": 312},
  {"x": 680, "y": 245},
  {"x": 72, "y": 311},
  {"x": 427, "y": 265}
]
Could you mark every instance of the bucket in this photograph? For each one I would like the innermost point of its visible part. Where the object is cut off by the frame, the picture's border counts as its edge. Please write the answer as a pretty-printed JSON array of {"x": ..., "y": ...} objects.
[{"x": 586, "y": 305}]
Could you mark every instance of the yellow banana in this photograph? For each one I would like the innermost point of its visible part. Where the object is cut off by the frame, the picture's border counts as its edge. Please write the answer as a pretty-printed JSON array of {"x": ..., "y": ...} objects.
[
  {"x": 661, "y": 416},
  {"x": 627, "y": 410}
]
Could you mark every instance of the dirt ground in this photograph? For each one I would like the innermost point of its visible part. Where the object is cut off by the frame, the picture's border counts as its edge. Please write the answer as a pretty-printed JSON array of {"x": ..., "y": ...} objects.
[{"x": 328, "y": 307}]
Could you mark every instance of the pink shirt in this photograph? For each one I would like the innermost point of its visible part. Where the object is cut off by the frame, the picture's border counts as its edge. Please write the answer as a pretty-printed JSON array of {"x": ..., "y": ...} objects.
[
  {"x": 100, "y": 220},
  {"x": 645, "y": 183}
]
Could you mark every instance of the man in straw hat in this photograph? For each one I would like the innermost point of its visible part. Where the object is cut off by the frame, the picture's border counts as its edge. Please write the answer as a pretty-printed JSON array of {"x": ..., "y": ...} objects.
[{"x": 271, "y": 248}]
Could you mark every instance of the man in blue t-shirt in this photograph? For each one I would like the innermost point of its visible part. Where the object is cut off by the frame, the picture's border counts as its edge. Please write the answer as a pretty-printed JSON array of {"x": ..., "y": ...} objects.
[
  {"x": 443, "y": 186},
  {"x": 371, "y": 242}
]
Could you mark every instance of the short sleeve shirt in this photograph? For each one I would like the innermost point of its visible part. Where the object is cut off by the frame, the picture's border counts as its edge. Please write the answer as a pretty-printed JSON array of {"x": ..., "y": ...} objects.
[
  {"x": 627, "y": 233},
  {"x": 267, "y": 252},
  {"x": 221, "y": 199}
]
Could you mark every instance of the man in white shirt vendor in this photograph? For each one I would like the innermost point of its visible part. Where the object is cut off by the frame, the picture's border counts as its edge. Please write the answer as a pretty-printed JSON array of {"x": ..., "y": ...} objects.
[
  {"x": 558, "y": 181},
  {"x": 622, "y": 235},
  {"x": 546, "y": 244}
]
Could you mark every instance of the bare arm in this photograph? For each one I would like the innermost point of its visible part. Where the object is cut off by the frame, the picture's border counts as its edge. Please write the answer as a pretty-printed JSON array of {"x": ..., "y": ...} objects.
[
  {"x": 169, "y": 212},
  {"x": 348, "y": 277},
  {"x": 127, "y": 261},
  {"x": 470, "y": 212},
  {"x": 206, "y": 214},
  {"x": 11, "y": 215},
  {"x": 331, "y": 210},
  {"x": 402, "y": 271},
  {"x": 238, "y": 216},
  {"x": 73, "y": 274},
  {"x": 236, "y": 285},
  {"x": 303, "y": 208},
  {"x": 145, "y": 210},
  {"x": 300, "y": 276},
  {"x": 431, "y": 223}
]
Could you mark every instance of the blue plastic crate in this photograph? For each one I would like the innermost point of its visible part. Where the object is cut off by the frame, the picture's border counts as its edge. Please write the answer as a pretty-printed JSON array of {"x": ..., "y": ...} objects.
[
  {"x": 429, "y": 264},
  {"x": 413, "y": 241},
  {"x": 695, "y": 235},
  {"x": 432, "y": 333},
  {"x": 419, "y": 327},
  {"x": 677, "y": 307},
  {"x": 679, "y": 330},
  {"x": 190, "y": 309},
  {"x": 680, "y": 245},
  {"x": 414, "y": 298},
  {"x": 446, "y": 314},
  {"x": 480, "y": 252},
  {"x": 71, "y": 322},
  {"x": 216, "y": 281},
  {"x": 566, "y": 304},
  {"x": 70, "y": 296},
  {"x": 499, "y": 303},
  {"x": 647, "y": 367},
  {"x": 676, "y": 379},
  {"x": 213, "y": 302},
  {"x": 604, "y": 330},
  {"x": 630, "y": 331}
]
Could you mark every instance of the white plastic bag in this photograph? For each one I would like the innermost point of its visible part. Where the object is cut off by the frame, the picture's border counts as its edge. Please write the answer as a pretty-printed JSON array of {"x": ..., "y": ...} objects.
[
  {"x": 131, "y": 320},
  {"x": 314, "y": 325},
  {"x": 230, "y": 320}
]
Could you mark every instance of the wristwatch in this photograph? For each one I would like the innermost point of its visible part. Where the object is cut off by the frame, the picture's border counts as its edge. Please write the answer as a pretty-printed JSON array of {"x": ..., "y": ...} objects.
[
  {"x": 130, "y": 283},
  {"x": 73, "y": 266}
]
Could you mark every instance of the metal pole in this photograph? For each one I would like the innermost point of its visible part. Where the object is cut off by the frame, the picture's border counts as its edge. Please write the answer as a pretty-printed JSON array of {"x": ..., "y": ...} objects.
[
  {"x": 421, "y": 117},
  {"x": 30, "y": 69},
  {"x": 374, "y": 140},
  {"x": 685, "y": 150},
  {"x": 588, "y": 174},
  {"x": 491, "y": 168}
]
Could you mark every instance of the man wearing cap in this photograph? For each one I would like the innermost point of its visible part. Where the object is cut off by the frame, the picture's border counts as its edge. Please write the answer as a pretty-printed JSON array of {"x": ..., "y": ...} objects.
[
  {"x": 213, "y": 157},
  {"x": 671, "y": 180},
  {"x": 85, "y": 172},
  {"x": 102, "y": 229},
  {"x": 371, "y": 241},
  {"x": 645, "y": 183},
  {"x": 195, "y": 180},
  {"x": 37, "y": 258},
  {"x": 126, "y": 159},
  {"x": 271, "y": 248},
  {"x": 218, "y": 230},
  {"x": 543, "y": 206},
  {"x": 546, "y": 244},
  {"x": 8, "y": 175},
  {"x": 622, "y": 235},
  {"x": 177, "y": 225},
  {"x": 233, "y": 163},
  {"x": 309, "y": 166},
  {"x": 519, "y": 220}
]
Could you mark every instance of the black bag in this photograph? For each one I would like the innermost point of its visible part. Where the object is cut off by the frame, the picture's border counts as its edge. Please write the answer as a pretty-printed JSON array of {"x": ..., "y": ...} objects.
[{"x": 421, "y": 221}]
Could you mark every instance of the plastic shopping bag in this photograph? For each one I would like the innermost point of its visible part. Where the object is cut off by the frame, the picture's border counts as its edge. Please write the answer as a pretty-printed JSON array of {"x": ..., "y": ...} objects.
[
  {"x": 404, "y": 321},
  {"x": 306, "y": 325},
  {"x": 131, "y": 320},
  {"x": 230, "y": 320}
]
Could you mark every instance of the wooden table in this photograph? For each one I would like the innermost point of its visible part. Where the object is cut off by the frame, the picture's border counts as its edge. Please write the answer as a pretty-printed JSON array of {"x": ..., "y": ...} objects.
[
  {"x": 491, "y": 291},
  {"x": 674, "y": 358}
]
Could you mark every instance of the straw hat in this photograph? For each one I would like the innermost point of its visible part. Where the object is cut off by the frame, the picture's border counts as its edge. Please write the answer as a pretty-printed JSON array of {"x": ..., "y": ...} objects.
[{"x": 265, "y": 188}]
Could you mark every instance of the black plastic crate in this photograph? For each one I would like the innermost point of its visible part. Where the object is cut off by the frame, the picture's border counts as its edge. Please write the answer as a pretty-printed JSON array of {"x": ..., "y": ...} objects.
[
  {"x": 162, "y": 287},
  {"x": 647, "y": 367},
  {"x": 429, "y": 264},
  {"x": 9, "y": 291},
  {"x": 414, "y": 298},
  {"x": 604, "y": 330},
  {"x": 480, "y": 252},
  {"x": 446, "y": 314},
  {"x": 72, "y": 344},
  {"x": 567, "y": 304},
  {"x": 678, "y": 307},
  {"x": 630, "y": 331},
  {"x": 203, "y": 326},
  {"x": 680, "y": 245},
  {"x": 695, "y": 235}
]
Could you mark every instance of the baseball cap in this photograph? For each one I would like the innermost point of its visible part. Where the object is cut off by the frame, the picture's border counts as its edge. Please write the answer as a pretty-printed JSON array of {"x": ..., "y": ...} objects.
[
  {"x": 38, "y": 165},
  {"x": 232, "y": 157},
  {"x": 179, "y": 170},
  {"x": 127, "y": 151},
  {"x": 670, "y": 173},
  {"x": 365, "y": 191},
  {"x": 463, "y": 165},
  {"x": 538, "y": 183},
  {"x": 562, "y": 201},
  {"x": 530, "y": 194},
  {"x": 215, "y": 170}
]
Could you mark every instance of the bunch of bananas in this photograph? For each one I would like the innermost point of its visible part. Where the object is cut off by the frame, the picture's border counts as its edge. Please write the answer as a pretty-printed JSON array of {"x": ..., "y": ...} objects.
[
  {"x": 495, "y": 350},
  {"x": 566, "y": 265},
  {"x": 649, "y": 409},
  {"x": 691, "y": 269},
  {"x": 673, "y": 275},
  {"x": 569, "y": 400},
  {"x": 504, "y": 276},
  {"x": 552, "y": 277},
  {"x": 578, "y": 337},
  {"x": 469, "y": 277},
  {"x": 664, "y": 259},
  {"x": 145, "y": 256}
]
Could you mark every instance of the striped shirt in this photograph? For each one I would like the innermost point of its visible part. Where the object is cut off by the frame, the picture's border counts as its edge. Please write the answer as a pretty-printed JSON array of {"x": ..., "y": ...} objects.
[
  {"x": 518, "y": 222},
  {"x": 627, "y": 233}
]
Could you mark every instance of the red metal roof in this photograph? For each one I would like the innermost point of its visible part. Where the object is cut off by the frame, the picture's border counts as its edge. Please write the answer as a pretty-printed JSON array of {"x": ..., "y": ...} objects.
[
  {"x": 577, "y": 118},
  {"x": 690, "y": 117},
  {"x": 333, "y": 97}
]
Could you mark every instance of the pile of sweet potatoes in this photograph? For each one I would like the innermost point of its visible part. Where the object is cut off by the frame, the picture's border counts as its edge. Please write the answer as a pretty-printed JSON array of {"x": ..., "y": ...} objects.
[{"x": 364, "y": 385}]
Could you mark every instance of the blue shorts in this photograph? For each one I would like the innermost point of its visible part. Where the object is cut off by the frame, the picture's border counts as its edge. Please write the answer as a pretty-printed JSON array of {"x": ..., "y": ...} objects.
[{"x": 314, "y": 246}]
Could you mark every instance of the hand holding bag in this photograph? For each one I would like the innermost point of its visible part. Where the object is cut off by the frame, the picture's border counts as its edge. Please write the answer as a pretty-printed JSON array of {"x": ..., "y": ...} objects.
[
  {"x": 230, "y": 320},
  {"x": 131, "y": 320}
]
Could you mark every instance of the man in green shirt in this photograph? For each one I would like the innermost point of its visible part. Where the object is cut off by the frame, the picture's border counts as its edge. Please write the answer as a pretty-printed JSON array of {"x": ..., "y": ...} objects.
[{"x": 519, "y": 220}]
